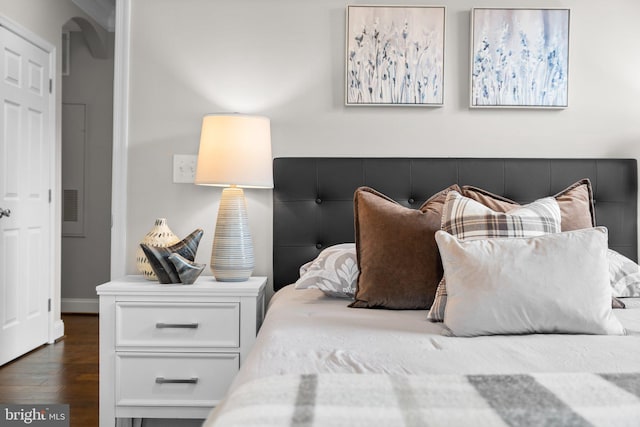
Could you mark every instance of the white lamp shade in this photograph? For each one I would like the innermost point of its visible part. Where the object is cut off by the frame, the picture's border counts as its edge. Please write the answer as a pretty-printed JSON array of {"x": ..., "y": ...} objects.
[{"x": 235, "y": 150}]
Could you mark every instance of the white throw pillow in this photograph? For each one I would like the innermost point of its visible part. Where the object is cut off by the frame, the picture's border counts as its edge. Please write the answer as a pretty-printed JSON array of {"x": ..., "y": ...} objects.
[
  {"x": 523, "y": 285},
  {"x": 334, "y": 271},
  {"x": 625, "y": 275},
  {"x": 468, "y": 219}
]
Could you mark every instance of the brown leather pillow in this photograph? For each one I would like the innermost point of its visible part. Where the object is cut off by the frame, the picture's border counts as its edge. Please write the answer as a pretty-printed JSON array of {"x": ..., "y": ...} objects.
[
  {"x": 575, "y": 201},
  {"x": 398, "y": 257}
]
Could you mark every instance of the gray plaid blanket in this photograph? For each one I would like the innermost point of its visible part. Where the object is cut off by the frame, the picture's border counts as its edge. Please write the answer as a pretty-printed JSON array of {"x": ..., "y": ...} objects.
[{"x": 548, "y": 399}]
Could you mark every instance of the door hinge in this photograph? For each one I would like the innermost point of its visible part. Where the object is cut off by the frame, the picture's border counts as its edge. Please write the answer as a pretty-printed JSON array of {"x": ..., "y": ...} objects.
[
  {"x": 49, "y": 305},
  {"x": 49, "y": 195},
  {"x": 50, "y": 85}
]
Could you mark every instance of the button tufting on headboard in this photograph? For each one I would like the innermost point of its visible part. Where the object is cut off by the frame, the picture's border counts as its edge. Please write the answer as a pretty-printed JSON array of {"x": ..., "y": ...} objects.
[{"x": 313, "y": 197}]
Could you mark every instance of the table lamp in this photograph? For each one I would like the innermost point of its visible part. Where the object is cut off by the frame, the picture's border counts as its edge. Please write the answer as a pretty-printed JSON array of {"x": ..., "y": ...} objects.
[{"x": 235, "y": 152}]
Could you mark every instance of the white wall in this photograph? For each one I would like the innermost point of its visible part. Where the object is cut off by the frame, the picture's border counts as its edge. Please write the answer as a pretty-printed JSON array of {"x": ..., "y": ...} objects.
[{"x": 285, "y": 59}]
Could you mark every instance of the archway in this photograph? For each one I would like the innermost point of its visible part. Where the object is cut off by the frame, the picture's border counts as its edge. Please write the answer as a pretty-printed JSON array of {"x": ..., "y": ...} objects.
[{"x": 96, "y": 45}]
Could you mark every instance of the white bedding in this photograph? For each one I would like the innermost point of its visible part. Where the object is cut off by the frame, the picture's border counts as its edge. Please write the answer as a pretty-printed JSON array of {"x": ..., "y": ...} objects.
[{"x": 307, "y": 332}]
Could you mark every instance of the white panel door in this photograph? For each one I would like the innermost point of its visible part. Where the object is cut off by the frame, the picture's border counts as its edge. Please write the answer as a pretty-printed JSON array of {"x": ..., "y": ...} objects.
[{"x": 24, "y": 191}]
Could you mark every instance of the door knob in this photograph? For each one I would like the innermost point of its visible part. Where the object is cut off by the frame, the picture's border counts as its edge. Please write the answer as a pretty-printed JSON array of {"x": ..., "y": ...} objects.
[{"x": 5, "y": 212}]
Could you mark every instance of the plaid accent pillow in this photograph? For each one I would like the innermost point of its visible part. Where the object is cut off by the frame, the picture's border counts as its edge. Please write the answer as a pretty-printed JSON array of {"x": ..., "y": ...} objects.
[
  {"x": 467, "y": 219},
  {"x": 575, "y": 201}
]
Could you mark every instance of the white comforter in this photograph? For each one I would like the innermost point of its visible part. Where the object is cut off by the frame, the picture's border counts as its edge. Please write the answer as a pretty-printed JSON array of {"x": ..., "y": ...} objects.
[{"x": 306, "y": 332}]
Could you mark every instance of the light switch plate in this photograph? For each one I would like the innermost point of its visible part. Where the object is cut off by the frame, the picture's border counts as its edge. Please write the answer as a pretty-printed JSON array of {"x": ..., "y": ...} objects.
[{"x": 184, "y": 168}]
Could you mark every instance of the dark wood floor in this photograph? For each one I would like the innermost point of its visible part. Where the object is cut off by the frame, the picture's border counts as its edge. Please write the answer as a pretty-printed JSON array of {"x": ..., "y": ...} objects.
[{"x": 64, "y": 372}]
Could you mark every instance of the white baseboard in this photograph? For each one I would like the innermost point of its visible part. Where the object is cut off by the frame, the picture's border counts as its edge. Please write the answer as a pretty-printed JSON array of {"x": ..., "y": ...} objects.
[{"x": 80, "y": 305}]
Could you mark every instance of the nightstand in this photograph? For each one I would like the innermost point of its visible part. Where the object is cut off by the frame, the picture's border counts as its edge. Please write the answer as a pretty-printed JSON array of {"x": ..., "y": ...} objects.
[{"x": 171, "y": 351}]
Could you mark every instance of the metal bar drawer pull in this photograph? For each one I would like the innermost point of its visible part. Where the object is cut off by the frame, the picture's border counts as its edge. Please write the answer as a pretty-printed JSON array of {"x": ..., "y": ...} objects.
[
  {"x": 162, "y": 380},
  {"x": 177, "y": 325}
]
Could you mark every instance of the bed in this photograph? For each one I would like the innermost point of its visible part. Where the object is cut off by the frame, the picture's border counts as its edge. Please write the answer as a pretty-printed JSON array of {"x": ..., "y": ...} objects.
[{"x": 318, "y": 361}]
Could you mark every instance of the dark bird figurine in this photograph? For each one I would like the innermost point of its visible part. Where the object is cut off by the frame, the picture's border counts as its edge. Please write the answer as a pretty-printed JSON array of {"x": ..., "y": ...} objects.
[
  {"x": 188, "y": 271},
  {"x": 159, "y": 257}
]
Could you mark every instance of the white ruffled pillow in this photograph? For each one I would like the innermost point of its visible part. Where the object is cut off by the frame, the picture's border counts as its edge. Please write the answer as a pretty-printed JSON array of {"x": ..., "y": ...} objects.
[{"x": 334, "y": 271}]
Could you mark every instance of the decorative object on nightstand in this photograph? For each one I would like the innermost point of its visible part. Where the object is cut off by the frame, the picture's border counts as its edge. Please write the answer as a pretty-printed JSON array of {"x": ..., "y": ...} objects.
[
  {"x": 159, "y": 236},
  {"x": 235, "y": 152},
  {"x": 188, "y": 271},
  {"x": 165, "y": 269}
]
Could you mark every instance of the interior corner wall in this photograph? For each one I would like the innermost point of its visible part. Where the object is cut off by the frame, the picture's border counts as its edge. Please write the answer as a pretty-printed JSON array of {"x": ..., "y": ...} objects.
[
  {"x": 285, "y": 59},
  {"x": 45, "y": 18}
]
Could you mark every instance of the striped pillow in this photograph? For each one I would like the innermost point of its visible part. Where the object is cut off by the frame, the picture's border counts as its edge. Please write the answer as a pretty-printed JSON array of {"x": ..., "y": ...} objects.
[{"x": 467, "y": 219}]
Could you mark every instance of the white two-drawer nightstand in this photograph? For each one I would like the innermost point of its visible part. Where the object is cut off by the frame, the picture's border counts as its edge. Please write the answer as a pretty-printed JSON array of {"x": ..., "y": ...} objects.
[{"x": 171, "y": 351}]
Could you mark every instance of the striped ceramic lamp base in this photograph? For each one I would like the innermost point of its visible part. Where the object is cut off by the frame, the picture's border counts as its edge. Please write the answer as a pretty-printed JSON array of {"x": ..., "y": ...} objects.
[{"x": 232, "y": 255}]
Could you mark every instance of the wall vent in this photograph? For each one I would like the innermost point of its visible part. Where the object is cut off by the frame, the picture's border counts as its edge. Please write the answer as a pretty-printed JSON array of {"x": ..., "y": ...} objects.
[{"x": 70, "y": 206}]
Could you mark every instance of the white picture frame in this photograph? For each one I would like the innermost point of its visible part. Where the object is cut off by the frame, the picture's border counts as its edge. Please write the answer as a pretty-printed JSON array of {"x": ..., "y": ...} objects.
[
  {"x": 519, "y": 58},
  {"x": 395, "y": 55}
]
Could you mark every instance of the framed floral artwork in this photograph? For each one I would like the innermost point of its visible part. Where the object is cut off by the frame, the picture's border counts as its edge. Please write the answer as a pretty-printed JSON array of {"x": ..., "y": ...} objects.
[
  {"x": 519, "y": 58},
  {"x": 395, "y": 55}
]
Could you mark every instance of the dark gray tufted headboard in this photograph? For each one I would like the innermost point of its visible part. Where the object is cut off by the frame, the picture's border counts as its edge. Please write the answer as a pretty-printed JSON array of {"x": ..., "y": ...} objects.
[{"x": 313, "y": 197}]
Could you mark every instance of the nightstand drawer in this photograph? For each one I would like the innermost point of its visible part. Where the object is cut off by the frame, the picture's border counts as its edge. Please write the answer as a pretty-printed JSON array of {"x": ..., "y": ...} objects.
[
  {"x": 174, "y": 379},
  {"x": 177, "y": 325}
]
